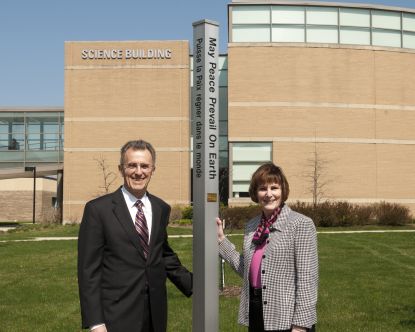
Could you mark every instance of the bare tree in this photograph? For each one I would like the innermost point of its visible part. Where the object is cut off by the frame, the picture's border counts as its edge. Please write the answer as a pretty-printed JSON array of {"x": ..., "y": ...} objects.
[
  {"x": 108, "y": 176},
  {"x": 317, "y": 176}
]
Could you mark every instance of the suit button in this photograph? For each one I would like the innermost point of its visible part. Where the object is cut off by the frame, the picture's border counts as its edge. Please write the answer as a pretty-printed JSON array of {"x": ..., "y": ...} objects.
[
  {"x": 264, "y": 287},
  {"x": 265, "y": 302},
  {"x": 263, "y": 256},
  {"x": 263, "y": 271},
  {"x": 267, "y": 241}
]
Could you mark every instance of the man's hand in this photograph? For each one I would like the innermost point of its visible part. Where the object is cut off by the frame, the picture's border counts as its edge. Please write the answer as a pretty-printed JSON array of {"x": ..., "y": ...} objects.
[
  {"x": 296, "y": 328},
  {"x": 100, "y": 328}
]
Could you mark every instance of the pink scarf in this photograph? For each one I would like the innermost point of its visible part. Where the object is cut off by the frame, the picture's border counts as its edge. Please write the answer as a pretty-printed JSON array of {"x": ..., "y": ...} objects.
[{"x": 262, "y": 231}]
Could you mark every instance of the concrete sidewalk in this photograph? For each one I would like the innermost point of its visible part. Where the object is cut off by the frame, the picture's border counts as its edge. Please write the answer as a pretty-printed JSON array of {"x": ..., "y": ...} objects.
[{"x": 68, "y": 238}]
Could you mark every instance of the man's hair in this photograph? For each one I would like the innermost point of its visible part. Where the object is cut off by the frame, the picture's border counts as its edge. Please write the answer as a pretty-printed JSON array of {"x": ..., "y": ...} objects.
[
  {"x": 137, "y": 145},
  {"x": 268, "y": 173}
]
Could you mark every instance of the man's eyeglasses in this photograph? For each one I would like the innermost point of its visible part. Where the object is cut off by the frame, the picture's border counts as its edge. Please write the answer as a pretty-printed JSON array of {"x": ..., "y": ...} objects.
[{"x": 146, "y": 168}]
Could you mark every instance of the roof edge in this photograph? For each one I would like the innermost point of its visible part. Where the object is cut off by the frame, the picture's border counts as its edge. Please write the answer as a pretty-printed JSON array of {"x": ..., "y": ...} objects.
[{"x": 323, "y": 4}]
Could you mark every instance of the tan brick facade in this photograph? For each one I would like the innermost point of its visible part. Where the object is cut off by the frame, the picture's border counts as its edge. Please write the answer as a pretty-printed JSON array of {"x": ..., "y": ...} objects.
[
  {"x": 354, "y": 106},
  {"x": 16, "y": 196},
  {"x": 111, "y": 101}
]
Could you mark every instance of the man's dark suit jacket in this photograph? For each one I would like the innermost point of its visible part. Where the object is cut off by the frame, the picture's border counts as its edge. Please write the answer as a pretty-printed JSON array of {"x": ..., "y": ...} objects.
[{"x": 113, "y": 274}]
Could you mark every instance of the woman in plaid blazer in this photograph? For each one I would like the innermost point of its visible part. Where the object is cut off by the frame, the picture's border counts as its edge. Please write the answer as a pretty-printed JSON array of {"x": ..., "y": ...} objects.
[{"x": 279, "y": 263}]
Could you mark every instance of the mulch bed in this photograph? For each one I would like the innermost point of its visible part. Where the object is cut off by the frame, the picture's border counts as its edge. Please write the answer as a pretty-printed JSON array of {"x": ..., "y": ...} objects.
[{"x": 230, "y": 291}]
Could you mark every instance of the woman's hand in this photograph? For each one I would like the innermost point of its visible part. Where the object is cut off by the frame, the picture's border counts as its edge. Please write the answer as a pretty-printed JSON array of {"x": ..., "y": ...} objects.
[
  {"x": 296, "y": 328},
  {"x": 219, "y": 228}
]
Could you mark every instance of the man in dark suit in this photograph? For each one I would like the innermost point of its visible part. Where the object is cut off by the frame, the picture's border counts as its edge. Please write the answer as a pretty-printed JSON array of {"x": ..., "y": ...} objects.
[{"x": 123, "y": 254}]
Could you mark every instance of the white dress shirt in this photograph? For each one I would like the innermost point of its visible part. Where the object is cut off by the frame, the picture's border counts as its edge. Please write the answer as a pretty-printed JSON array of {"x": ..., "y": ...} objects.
[{"x": 130, "y": 199}]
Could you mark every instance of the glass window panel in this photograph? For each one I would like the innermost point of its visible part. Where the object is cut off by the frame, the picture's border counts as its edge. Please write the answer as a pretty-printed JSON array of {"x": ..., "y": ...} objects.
[
  {"x": 386, "y": 38},
  {"x": 17, "y": 128},
  {"x": 409, "y": 40},
  {"x": 250, "y": 33},
  {"x": 34, "y": 128},
  {"x": 33, "y": 143},
  {"x": 386, "y": 20},
  {"x": 44, "y": 156},
  {"x": 223, "y": 128},
  {"x": 15, "y": 119},
  {"x": 408, "y": 22},
  {"x": 240, "y": 187},
  {"x": 250, "y": 14},
  {"x": 322, "y": 35},
  {"x": 288, "y": 14},
  {"x": 49, "y": 127},
  {"x": 4, "y": 142},
  {"x": 243, "y": 172},
  {"x": 295, "y": 34},
  {"x": 42, "y": 116},
  {"x": 11, "y": 156},
  {"x": 252, "y": 151},
  {"x": 322, "y": 15},
  {"x": 5, "y": 116},
  {"x": 223, "y": 62},
  {"x": 50, "y": 142},
  {"x": 223, "y": 78},
  {"x": 223, "y": 143},
  {"x": 357, "y": 36},
  {"x": 223, "y": 104},
  {"x": 4, "y": 128},
  {"x": 355, "y": 17}
]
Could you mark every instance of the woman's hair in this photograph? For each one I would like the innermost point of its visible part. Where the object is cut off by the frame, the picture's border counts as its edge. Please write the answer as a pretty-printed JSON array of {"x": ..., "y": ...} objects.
[{"x": 266, "y": 174}]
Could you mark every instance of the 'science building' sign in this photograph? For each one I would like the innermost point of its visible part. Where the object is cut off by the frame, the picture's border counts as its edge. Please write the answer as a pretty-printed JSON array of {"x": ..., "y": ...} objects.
[{"x": 138, "y": 53}]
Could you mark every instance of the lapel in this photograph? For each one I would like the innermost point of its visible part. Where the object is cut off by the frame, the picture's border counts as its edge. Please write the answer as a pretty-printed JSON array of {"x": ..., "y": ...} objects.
[
  {"x": 123, "y": 216},
  {"x": 156, "y": 220},
  {"x": 279, "y": 226},
  {"x": 251, "y": 228}
]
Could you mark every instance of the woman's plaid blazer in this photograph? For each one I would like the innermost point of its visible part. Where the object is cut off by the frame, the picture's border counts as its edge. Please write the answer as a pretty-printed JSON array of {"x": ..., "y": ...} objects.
[{"x": 289, "y": 271}]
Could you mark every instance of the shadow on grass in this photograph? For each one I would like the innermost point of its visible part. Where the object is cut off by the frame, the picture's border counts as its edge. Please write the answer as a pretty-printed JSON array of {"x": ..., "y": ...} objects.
[{"x": 408, "y": 323}]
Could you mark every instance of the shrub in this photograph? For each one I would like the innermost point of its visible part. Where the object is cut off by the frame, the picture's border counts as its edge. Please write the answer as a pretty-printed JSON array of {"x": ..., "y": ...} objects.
[
  {"x": 325, "y": 214},
  {"x": 175, "y": 214},
  {"x": 392, "y": 214},
  {"x": 187, "y": 212},
  {"x": 364, "y": 215},
  {"x": 329, "y": 214},
  {"x": 236, "y": 217}
]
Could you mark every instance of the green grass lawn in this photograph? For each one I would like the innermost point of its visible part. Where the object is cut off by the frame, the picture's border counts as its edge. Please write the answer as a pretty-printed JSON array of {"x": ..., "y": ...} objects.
[{"x": 366, "y": 283}]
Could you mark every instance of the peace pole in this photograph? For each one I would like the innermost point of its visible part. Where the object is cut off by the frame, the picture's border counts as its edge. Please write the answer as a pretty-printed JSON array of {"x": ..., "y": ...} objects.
[{"x": 205, "y": 129}]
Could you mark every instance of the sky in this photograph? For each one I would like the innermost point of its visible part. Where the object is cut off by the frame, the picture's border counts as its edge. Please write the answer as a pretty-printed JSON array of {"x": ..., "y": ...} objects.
[{"x": 33, "y": 32}]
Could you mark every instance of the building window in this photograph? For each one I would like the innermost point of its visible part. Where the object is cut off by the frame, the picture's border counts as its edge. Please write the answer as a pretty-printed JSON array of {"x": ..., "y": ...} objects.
[
  {"x": 322, "y": 34},
  {"x": 30, "y": 137},
  {"x": 409, "y": 39},
  {"x": 386, "y": 20},
  {"x": 246, "y": 158},
  {"x": 251, "y": 33},
  {"x": 355, "y": 17},
  {"x": 389, "y": 38},
  {"x": 288, "y": 15},
  {"x": 408, "y": 22},
  {"x": 320, "y": 24},
  {"x": 322, "y": 16},
  {"x": 251, "y": 24},
  {"x": 288, "y": 33},
  {"x": 251, "y": 15},
  {"x": 352, "y": 35}
]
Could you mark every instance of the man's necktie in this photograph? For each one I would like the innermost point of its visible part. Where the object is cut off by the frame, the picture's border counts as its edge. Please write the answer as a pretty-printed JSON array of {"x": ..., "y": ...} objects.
[{"x": 141, "y": 227}]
